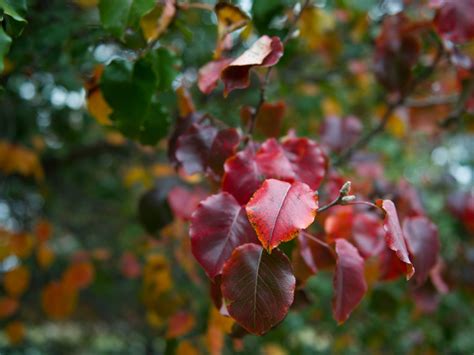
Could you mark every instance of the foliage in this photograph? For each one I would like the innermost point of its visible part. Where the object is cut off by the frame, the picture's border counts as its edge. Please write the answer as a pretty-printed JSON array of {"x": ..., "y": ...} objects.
[{"x": 200, "y": 177}]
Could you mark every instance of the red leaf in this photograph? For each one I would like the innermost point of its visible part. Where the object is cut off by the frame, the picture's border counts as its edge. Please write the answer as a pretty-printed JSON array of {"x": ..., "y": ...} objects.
[
  {"x": 423, "y": 243},
  {"x": 368, "y": 234},
  {"x": 454, "y": 20},
  {"x": 218, "y": 226},
  {"x": 315, "y": 255},
  {"x": 259, "y": 287},
  {"x": 307, "y": 159},
  {"x": 339, "y": 223},
  {"x": 273, "y": 162},
  {"x": 268, "y": 120},
  {"x": 184, "y": 201},
  {"x": 340, "y": 133},
  {"x": 265, "y": 52},
  {"x": 203, "y": 146},
  {"x": 210, "y": 73},
  {"x": 349, "y": 282},
  {"x": 242, "y": 175},
  {"x": 279, "y": 210},
  {"x": 394, "y": 235}
]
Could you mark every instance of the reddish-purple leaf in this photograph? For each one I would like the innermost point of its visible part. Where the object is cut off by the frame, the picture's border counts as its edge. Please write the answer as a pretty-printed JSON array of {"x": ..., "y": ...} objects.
[
  {"x": 181, "y": 126},
  {"x": 340, "y": 133},
  {"x": 315, "y": 255},
  {"x": 368, "y": 234},
  {"x": 273, "y": 162},
  {"x": 210, "y": 74},
  {"x": 218, "y": 226},
  {"x": 307, "y": 160},
  {"x": 454, "y": 20},
  {"x": 423, "y": 243},
  {"x": 183, "y": 201},
  {"x": 349, "y": 282},
  {"x": 265, "y": 52},
  {"x": 258, "y": 287},
  {"x": 203, "y": 146},
  {"x": 279, "y": 210},
  {"x": 242, "y": 175},
  {"x": 394, "y": 235}
]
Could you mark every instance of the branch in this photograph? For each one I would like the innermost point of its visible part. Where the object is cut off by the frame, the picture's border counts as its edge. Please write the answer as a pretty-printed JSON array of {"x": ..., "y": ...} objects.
[
  {"x": 343, "y": 198},
  {"x": 264, "y": 82},
  {"x": 460, "y": 107},
  {"x": 380, "y": 127}
]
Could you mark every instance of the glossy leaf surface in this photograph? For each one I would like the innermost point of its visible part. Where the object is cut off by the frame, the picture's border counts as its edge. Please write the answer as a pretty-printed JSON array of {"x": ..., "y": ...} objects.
[{"x": 279, "y": 210}]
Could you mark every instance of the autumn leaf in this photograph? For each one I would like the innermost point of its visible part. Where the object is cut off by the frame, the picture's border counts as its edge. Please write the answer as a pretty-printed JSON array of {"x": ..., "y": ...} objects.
[
  {"x": 16, "y": 280},
  {"x": 394, "y": 235},
  {"x": 8, "y": 307},
  {"x": 265, "y": 52},
  {"x": 58, "y": 301},
  {"x": 349, "y": 282},
  {"x": 268, "y": 120},
  {"x": 183, "y": 201},
  {"x": 210, "y": 74},
  {"x": 259, "y": 287},
  {"x": 454, "y": 20},
  {"x": 79, "y": 275},
  {"x": 279, "y": 210},
  {"x": 218, "y": 226},
  {"x": 180, "y": 324},
  {"x": 15, "y": 332},
  {"x": 156, "y": 22}
]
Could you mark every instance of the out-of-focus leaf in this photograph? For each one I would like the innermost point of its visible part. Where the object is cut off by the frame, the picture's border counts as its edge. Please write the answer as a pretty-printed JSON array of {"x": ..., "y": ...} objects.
[
  {"x": 114, "y": 15},
  {"x": 349, "y": 282},
  {"x": 218, "y": 226},
  {"x": 278, "y": 210},
  {"x": 265, "y": 52},
  {"x": 454, "y": 21},
  {"x": 180, "y": 324},
  {"x": 17, "y": 280},
  {"x": 58, "y": 301},
  {"x": 79, "y": 275},
  {"x": 423, "y": 243},
  {"x": 183, "y": 201},
  {"x": 14, "y": 8},
  {"x": 210, "y": 74},
  {"x": 268, "y": 120},
  {"x": 259, "y": 287},
  {"x": 15, "y": 331},
  {"x": 8, "y": 306},
  {"x": 155, "y": 22},
  {"x": 5, "y": 42}
]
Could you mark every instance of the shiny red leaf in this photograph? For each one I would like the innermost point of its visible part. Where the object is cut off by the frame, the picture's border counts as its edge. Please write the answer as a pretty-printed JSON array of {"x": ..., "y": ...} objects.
[
  {"x": 423, "y": 243},
  {"x": 349, "y": 282},
  {"x": 273, "y": 162},
  {"x": 265, "y": 52},
  {"x": 218, "y": 226},
  {"x": 454, "y": 20},
  {"x": 279, "y": 210},
  {"x": 258, "y": 287},
  {"x": 394, "y": 236}
]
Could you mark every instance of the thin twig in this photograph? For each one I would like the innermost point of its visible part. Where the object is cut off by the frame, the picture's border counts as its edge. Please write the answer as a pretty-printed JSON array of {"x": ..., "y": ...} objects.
[
  {"x": 264, "y": 82},
  {"x": 455, "y": 115},
  {"x": 380, "y": 127},
  {"x": 431, "y": 101},
  {"x": 315, "y": 239}
]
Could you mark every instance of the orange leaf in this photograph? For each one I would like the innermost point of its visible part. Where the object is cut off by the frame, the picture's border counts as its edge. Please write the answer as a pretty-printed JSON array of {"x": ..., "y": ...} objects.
[
  {"x": 15, "y": 332},
  {"x": 16, "y": 281},
  {"x": 8, "y": 306},
  {"x": 79, "y": 275},
  {"x": 44, "y": 256},
  {"x": 58, "y": 301},
  {"x": 155, "y": 22},
  {"x": 43, "y": 230},
  {"x": 180, "y": 324}
]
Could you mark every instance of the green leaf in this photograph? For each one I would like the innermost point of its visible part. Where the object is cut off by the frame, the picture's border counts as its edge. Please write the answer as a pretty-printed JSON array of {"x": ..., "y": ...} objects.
[
  {"x": 5, "y": 42},
  {"x": 155, "y": 124},
  {"x": 164, "y": 63},
  {"x": 114, "y": 15},
  {"x": 117, "y": 15},
  {"x": 14, "y": 8}
]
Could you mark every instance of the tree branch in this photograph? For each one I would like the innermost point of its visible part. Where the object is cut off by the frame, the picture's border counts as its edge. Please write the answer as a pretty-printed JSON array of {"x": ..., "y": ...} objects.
[{"x": 380, "y": 127}]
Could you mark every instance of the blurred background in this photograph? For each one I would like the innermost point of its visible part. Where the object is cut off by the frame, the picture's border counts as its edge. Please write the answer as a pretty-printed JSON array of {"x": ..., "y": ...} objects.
[{"x": 94, "y": 247}]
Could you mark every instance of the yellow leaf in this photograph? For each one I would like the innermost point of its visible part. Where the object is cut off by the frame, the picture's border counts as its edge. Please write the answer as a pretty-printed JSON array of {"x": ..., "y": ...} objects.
[
  {"x": 155, "y": 22},
  {"x": 229, "y": 18},
  {"x": 331, "y": 107},
  {"x": 185, "y": 347},
  {"x": 16, "y": 281},
  {"x": 154, "y": 319},
  {"x": 15, "y": 159},
  {"x": 161, "y": 170},
  {"x": 86, "y": 3},
  {"x": 98, "y": 107},
  {"x": 157, "y": 275},
  {"x": 136, "y": 175},
  {"x": 15, "y": 332},
  {"x": 314, "y": 25},
  {"x": 21, "y": 245}
]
